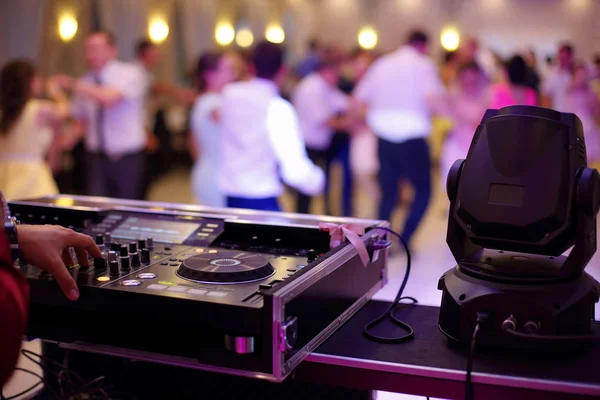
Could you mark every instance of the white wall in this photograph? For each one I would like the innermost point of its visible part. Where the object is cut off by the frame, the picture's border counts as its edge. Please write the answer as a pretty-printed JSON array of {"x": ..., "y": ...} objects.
[
  {"x": 504, "y": 25},
  {"x": 511, "y": 25}
]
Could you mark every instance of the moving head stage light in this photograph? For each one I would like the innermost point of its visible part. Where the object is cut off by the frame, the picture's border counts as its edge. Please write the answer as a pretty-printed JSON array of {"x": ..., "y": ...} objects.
[{"x": 522, "y": 198}]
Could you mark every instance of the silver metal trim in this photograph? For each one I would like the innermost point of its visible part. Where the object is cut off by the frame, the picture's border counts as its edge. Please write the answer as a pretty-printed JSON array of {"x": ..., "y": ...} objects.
[
  {"x": 236, "y": 214},
  {"x": 455, "y": 375},
  {"x": 176, "y": 361}
]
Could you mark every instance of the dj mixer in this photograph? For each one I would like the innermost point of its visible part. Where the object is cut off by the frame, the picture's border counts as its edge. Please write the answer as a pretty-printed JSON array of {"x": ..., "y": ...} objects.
[{"x": 232, "y": 291}]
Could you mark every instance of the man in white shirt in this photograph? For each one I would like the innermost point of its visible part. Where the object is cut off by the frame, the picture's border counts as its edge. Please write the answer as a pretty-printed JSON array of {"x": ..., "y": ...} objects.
[
  {"x": 398, "y": 90},
  {"x": 109, "y": 101},
  {"x": 556, "y": 84},
  {"x": 319, "y": 102},
  {"x": 261, "y": 141}
]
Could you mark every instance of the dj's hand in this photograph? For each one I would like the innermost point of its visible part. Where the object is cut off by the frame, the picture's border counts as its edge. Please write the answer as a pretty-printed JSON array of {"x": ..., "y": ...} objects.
[{"x": 47, "y": 247}]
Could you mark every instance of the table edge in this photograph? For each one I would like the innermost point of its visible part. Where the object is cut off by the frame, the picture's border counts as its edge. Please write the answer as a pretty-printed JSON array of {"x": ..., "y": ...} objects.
[{"x": 456, "y": 375}]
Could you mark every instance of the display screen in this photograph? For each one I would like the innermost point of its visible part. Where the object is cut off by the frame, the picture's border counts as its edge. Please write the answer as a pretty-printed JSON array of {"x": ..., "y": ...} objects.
[{"x": 162, "y": 231}]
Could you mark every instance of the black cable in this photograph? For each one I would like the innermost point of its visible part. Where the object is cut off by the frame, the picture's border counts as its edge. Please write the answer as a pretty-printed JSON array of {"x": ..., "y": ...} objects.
[
  {"x": 390, "y": 311},
  {"x": 558, "y": 338},
  {"x": 469, "y": 395},
  {"x": 24, "y": 392},
  {"x": 72, "y": 379}
]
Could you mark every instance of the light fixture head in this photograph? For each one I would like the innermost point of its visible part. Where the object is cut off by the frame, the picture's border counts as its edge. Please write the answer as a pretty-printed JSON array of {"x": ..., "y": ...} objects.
[
  {"x": 367, "y": 38},
  {"x": 158, "y": 29},
  {"x": 450, "y": 39},
  {"x": 67, "y": 26},
  {"x": 244, "y": 38},
  {"x": 224, "y": 34},
  {"x": 275, "y": 34}
]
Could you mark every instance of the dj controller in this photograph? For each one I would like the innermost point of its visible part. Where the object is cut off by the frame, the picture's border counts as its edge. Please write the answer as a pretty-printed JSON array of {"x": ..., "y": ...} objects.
[{"x": 233, "y": 291}]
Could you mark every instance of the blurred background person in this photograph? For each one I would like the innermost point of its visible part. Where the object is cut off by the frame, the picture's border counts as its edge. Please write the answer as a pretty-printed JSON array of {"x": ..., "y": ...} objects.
[
  {"x": 147, "y": 57},
  {"x": 449, "y": 67},
  {"x": 582, "y": 101},
  {"x": 319, "y": 102},
  {"x": 596, "y": 76},
  {"x": 311, "y": 60},
  {"x": 467, "y": 101},
  {"x": 513, "y": 89},
  {"x": 533, "y": 77},
  {"x": 109, "y": 101},
  {"x": 261, "y": 140},
  {"x": 29, "y": 132},
  {"x": 213, "y": 72},
  {"x": 397, "y": 91},
  {"x": 558, "y": 80},
  {"x": 364, "y": 160}
]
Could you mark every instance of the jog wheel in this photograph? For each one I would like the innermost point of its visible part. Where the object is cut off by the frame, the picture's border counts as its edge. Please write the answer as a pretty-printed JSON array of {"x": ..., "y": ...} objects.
[{"x": 226, "y": 267}]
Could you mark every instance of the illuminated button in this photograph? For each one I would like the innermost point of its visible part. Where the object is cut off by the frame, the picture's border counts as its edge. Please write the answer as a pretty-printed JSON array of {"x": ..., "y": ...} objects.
[
  {"x": 147, "y": 275},
  {"x": 217, "y": 294},
  {"x": 202, "y": 234},
  {"x": 212, "y": 251},
  {"x": 103, "y": 279},
  {"x": 207, "y": 230},
  {"x": 199, "y": 250},
  {"x": 156, "y": 287},
  {"x": 212, "y": 225},
  {"x": 300, "y": 266},
  {"x": 197, "y": 292},
  {"x": 168, "y": 283},
  {"x": 131, "y": 282},
  {"x": 177, "y": 289}
]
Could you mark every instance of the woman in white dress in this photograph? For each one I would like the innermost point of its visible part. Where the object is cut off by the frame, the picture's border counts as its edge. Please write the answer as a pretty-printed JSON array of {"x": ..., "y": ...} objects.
[
  {"x": 213, "y": 72},
  {"x": 28, "y": 128}
]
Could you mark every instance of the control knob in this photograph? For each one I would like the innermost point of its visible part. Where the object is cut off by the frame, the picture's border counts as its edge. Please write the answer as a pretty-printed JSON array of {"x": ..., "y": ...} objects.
[
  {"x": 125, "y": 264},
  {"x": 99, "y": 239},
  {"x": 150, "y": 243},
  {"x": 141, "y": 244},
  {"x": 146, "y": 256},
  {"x": 107, "y": 238},
  {"x": 115, "y": 246},
  {"x": 124, "y": 251},
  {"x": 133, "y": 247},
  {"x": 114, "y": 267},
  {"x": 99, "y": 263},
  {"x": 135, "y": 259}
]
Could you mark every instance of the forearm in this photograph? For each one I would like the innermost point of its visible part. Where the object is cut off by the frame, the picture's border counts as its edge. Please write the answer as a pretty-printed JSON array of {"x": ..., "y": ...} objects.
[
  {"x": 104, "y": 95},
  {"x": 180, "y": 93}
]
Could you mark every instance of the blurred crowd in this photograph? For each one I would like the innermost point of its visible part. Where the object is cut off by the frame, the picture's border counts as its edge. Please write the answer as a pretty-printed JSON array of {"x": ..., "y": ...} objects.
[{"x": 257, "y": 126}]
